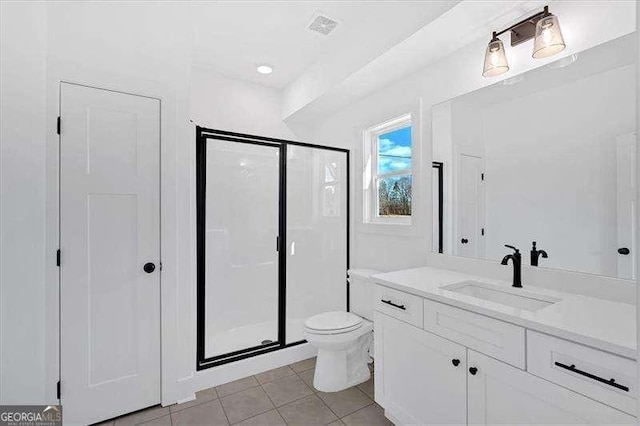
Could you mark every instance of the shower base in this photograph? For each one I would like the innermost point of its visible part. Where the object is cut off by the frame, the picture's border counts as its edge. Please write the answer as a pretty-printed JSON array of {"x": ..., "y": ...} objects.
[{"x": 251, "y": 335}]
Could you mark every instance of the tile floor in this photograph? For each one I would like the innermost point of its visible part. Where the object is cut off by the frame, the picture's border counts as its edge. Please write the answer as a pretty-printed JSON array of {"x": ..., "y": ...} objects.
[{"x": 284, "y": 396}]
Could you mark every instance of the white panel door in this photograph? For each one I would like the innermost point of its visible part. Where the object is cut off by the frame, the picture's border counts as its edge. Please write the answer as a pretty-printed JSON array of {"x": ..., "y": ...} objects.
[
  {"x": 469, "y": 205},
  {"x": 420, "y": 378},
  {"x": 109, "y": 229},
  {"x": 500, "y": 394},
  {"x": 626, "y": 204}
]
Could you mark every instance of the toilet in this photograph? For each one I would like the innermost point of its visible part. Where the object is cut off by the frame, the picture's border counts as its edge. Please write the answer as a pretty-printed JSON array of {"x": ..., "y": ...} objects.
[{"x": 344, "y": 339}]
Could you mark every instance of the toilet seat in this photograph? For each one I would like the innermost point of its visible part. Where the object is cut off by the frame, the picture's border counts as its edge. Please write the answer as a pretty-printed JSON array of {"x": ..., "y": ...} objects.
[{"x": 336, "y": 322}]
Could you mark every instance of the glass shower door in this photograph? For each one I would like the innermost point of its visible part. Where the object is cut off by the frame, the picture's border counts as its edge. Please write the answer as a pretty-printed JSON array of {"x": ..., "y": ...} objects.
[
  {"x": 240, "y": 255},
  {"x": 317, "y": 231}
]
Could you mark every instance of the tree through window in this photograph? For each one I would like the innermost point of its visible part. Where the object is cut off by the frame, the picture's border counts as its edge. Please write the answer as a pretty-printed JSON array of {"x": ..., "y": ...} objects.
[{"x": 393, "y": 179}]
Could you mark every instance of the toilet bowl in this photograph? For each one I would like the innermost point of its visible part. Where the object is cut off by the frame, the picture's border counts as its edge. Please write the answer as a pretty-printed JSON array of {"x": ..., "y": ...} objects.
[{"x": 344, "y": 341}]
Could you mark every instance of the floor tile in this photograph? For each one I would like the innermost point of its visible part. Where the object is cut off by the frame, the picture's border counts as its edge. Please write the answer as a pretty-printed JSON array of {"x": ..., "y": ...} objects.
[
  {"x": 303, "y": 365},
  {"x": 161, "y": 421},
  {"x": 368, "y": 387},
  {"x": 287, "y": 389},
  {"x": 201, "y": 397},
  {"x": 373, "y": 415},
  {"x": 105, "y": 423},
  {"x": 245, "y": 404},
  {"x": 336, "y": 423},
  {"x": 236, "y": 386},
  {"x": 275, "y": 374},
  {"x": 270, "y": 418},
  {"x": 307, "y": 377},
  {"x": 142, "y": 416},
  {"x": 307, "y": 411},
  {"x": 346, "y": 401},
  {"x": 209, "y": 413}
]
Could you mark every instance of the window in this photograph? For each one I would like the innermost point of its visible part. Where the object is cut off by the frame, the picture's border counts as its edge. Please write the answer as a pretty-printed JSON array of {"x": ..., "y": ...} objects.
[{"x": 388, "y": 177}]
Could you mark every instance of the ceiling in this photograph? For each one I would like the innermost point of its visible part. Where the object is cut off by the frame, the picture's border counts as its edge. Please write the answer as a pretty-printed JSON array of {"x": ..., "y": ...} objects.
[{"x": 232, "y": 38}]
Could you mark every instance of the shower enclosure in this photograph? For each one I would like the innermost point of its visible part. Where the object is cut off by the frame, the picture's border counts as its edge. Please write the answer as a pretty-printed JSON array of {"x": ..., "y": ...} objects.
[{"x": 273, "y": 241}]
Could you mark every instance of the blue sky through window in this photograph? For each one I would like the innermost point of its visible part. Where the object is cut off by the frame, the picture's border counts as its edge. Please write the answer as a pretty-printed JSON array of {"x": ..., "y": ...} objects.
[{"x": 394, "y": 151}]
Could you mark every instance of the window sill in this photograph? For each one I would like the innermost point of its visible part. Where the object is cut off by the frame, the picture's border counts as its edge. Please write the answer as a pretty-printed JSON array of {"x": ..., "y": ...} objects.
[{"x": 407, "y": 229}]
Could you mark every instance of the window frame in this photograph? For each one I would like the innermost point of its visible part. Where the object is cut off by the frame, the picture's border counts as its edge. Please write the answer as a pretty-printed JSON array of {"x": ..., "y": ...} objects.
[{"x": 371, "y": 177}]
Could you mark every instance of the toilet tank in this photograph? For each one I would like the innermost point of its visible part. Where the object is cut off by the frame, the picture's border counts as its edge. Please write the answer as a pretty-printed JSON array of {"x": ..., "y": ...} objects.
[{"x": 361, "y": 292}]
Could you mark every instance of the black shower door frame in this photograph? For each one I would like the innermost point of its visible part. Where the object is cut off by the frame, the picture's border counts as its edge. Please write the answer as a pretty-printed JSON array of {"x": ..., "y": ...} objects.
[{"x": 204, "y": 134}]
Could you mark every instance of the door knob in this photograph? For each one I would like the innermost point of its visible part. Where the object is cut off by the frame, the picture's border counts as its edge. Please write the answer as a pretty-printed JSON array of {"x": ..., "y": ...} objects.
[
  {"x": 455, "y": 362},
  {"x": 149, "y": 267},
  {"x": 623, "y": 250},
  {"x": 473, "y": 371}
]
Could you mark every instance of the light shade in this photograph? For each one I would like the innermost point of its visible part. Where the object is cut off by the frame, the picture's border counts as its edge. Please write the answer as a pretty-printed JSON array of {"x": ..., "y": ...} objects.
[
  {"x": 548, "y": 38},
  {"x": 495, "y": 59}
]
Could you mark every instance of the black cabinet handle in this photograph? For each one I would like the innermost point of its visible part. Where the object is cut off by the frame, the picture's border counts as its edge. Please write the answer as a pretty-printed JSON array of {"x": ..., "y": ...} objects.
[
  {"x": 455, "y": 362},
  {"x": 624, "y": 250},
  {"x": 389, "y": 302},
  {"x": 473, "y": 371},
  {"x": 149, "y": 267},
  {"x": 464, "y": 241},
  {"x": 610, "y": 382}
]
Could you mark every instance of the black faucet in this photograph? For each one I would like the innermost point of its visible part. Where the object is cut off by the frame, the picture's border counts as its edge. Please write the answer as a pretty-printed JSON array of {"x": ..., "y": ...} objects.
[
  {"x": 516, "y": 259},
  {"x": 535, "y": 254}
]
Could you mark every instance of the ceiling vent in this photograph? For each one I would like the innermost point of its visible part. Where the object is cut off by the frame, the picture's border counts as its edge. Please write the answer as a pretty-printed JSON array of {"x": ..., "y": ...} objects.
[{"x": 323, "y": 25}]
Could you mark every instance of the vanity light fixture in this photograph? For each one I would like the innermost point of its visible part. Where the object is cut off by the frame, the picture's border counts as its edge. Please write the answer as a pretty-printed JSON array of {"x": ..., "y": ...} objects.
[{"x": 543, "y": 26}]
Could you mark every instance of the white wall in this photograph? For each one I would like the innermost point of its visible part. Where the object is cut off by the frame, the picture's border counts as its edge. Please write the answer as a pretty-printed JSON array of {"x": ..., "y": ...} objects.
[
  {"x": 22, "y": 201},
  {"x": 223, "y": 103}
]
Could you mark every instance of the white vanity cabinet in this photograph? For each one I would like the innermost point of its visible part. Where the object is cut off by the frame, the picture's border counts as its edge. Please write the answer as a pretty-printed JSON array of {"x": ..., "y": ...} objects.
[
  {"x": 501, "y": 394},
  {"x": 421, "y": 377},
  {"x": 437, "y": 373}
]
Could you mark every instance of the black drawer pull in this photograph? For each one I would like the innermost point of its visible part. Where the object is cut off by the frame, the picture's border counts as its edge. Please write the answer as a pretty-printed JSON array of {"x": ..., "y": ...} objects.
[
  {"x": 389, "y": 302},
  {"x": 610, "y": 382}
]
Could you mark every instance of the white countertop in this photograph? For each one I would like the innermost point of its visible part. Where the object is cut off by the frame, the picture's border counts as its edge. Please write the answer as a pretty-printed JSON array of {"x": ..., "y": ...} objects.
[{"x": 602, "y": 324}]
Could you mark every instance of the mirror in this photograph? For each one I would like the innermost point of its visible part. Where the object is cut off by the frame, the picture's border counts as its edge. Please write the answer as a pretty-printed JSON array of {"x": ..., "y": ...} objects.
[{"x": 545, "y": 156}]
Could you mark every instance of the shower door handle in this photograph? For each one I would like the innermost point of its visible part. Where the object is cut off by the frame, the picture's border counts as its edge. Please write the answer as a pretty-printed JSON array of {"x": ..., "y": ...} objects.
[{"x": 277, "y": 243}]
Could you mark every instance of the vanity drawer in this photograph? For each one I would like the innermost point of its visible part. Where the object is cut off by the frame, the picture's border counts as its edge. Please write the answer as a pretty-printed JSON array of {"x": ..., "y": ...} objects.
[
  {"x": 583, "y": 369},
  {"x": 489, "y": 336},
  {"x": 398, "y": 304}
]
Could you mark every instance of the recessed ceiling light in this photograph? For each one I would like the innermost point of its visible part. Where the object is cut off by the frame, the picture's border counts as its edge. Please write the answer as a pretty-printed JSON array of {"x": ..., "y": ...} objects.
[{"x": 264, "y": 69}]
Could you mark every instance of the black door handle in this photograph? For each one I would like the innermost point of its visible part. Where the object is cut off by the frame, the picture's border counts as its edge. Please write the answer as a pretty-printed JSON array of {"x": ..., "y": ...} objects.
[
  {"x": 473, "y": 371},
  {"x": 149, "y": 267},
  {"x": 464, "y": 241},
  {"x": 455, "y": 362},
  {"x": 623, "y": 250}
]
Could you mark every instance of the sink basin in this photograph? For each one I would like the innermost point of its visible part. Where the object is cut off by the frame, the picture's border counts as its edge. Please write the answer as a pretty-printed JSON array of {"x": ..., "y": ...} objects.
[{"x": 516, "y": 298}]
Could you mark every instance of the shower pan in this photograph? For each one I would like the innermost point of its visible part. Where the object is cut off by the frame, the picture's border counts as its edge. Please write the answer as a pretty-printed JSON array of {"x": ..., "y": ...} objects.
[{"x": 273, "y": 241}]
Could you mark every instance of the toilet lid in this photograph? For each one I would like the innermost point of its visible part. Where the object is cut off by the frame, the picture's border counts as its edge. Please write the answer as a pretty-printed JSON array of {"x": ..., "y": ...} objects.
[{"x": 336, "y": 320}]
